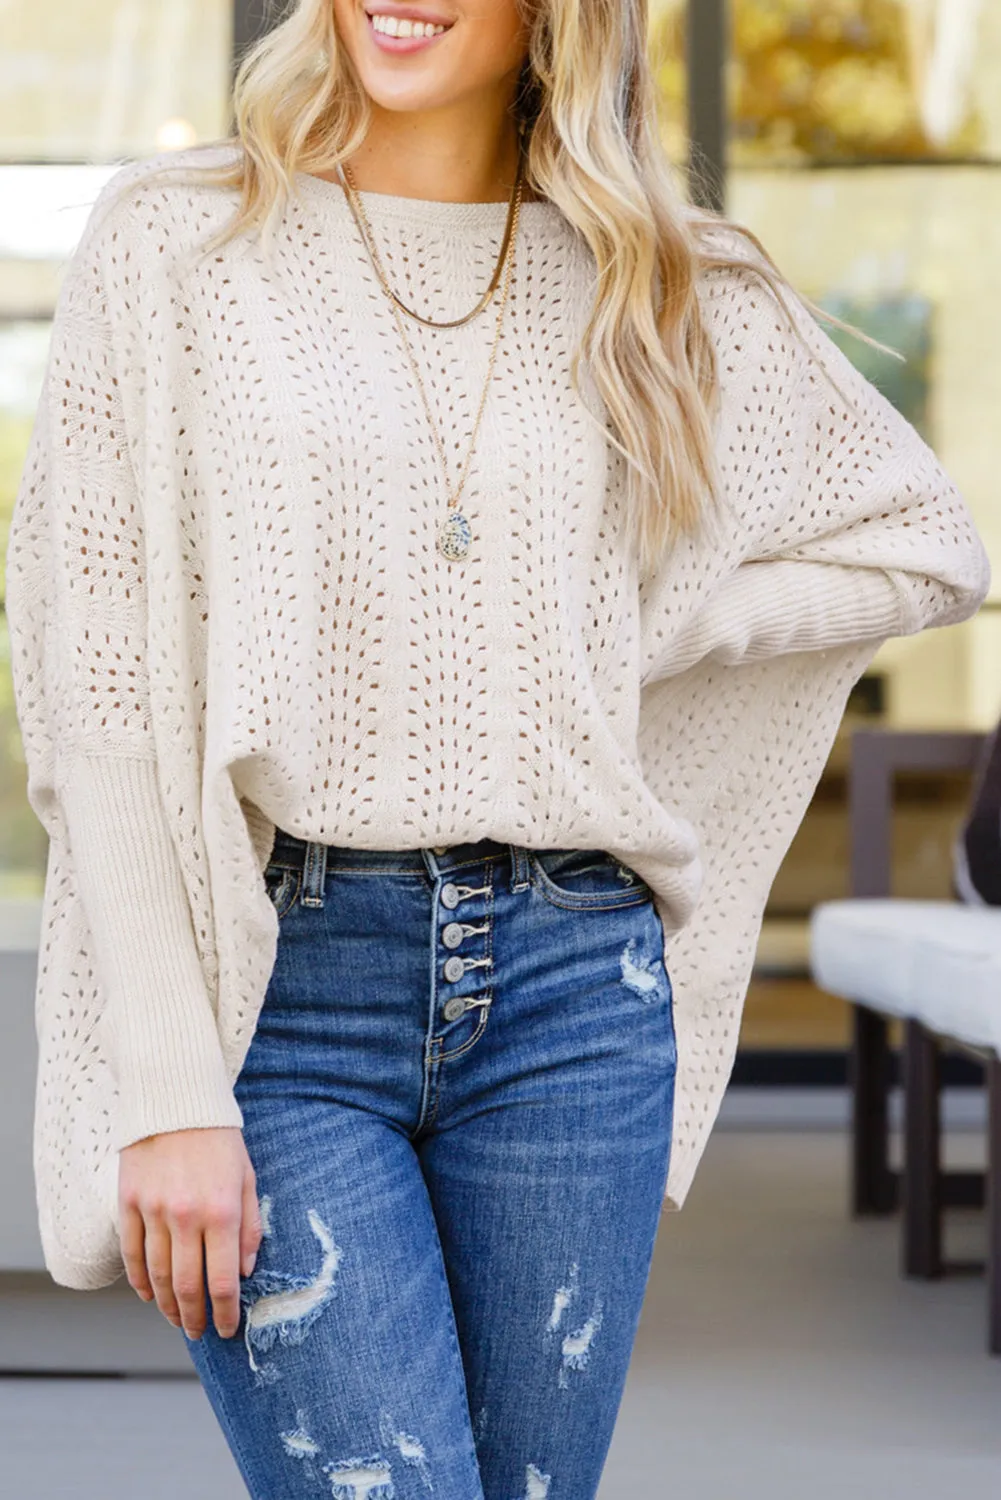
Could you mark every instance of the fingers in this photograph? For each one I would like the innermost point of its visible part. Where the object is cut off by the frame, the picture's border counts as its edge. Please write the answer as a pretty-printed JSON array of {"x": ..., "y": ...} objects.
[
  {"x": 133, "y": 1240},
  {"x": 188, "y": 1274},
  {"x": 222, "y": 1260},
  {"x": 250, "y": 1227},
  {"x": 189, "y": 1220},
  {"x": 159, "y": 1260},
  {"x": 178, "y": 1262}
]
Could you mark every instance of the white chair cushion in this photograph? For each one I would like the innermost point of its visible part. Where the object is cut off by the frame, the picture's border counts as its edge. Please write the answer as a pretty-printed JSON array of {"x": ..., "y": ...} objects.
[{"x": 938, "y": 962}]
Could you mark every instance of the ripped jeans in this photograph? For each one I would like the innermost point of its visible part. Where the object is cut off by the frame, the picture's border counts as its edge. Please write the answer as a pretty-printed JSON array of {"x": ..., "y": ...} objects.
[{"x": 458, "y": 1102}]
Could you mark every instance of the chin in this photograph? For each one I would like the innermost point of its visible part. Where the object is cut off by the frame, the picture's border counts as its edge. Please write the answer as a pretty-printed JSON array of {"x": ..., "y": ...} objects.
[
  {"x": 411, "y": 95},
  {"x": 400, "y": 101}
]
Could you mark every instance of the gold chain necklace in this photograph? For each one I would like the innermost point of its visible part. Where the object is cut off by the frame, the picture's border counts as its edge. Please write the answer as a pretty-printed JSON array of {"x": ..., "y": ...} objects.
[
  {"x": 455, "y": 533},
  {"x": 358, "y": 208}
]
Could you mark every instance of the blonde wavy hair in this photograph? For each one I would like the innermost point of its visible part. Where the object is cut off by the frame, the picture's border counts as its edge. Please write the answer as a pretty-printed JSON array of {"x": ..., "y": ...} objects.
[{"x": 586, "y": 100}]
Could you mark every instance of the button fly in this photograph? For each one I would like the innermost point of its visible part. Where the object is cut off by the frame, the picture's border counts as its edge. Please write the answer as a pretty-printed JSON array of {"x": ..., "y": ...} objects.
[
  {"x": 450, "y": 895},
  {"x": 452, "y": 934},
  {"x": 453, "y": 1008},
  {"x": 454, "y": 968}
]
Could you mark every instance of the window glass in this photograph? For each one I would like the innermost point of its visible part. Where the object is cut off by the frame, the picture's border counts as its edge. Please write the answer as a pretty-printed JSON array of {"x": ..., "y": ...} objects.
[
  {"x": 95, "y": 80},
  {"x": 866, "y": 152}
]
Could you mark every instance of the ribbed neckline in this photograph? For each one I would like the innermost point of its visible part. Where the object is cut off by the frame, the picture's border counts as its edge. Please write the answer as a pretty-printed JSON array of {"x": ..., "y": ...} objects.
[{"x": 380, "y": 206}]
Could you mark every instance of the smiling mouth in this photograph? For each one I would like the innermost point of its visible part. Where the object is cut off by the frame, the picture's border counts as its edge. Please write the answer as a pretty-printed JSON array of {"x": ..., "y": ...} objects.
[{"x": 405, "y": 28}]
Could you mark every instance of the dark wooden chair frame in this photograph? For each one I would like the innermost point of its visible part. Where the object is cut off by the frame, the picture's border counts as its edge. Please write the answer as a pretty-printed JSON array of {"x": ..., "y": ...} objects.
[{"x": 923, "y": 1190}]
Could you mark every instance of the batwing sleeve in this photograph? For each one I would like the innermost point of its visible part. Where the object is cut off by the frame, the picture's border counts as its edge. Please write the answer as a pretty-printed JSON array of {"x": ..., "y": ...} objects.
[
  {"x": 77, "y": 614},
  {"x": 849, "y": 527},
  {"x": 839, "y": 529}
]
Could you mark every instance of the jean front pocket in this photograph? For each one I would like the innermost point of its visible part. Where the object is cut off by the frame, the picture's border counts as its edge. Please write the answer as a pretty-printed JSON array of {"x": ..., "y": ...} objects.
[
  {"x": 282, "y": 883},
  {"x": 586, "y": 879}
]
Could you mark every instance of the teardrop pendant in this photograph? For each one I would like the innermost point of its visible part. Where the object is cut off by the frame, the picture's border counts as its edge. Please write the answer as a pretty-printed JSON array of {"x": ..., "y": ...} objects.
[{"x": 454, "y": 537}]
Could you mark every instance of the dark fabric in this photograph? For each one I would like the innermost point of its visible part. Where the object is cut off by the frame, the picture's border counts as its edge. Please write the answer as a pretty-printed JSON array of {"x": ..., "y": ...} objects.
[{"x": 977, "y": 862}]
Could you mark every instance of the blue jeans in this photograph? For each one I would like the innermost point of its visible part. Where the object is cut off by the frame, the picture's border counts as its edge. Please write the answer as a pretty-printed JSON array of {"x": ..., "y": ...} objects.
[{"x": 458, "y": 1103}]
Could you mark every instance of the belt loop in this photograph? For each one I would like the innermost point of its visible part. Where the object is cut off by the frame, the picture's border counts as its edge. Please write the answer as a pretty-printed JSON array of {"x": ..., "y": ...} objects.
[
  {"x": 520, "y": 874},
  {"x": 314, "y": 873}
]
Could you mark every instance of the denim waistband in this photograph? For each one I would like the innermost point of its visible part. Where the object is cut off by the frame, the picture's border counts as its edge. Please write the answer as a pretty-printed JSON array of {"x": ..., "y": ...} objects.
[{"x": 316, "y": 858}]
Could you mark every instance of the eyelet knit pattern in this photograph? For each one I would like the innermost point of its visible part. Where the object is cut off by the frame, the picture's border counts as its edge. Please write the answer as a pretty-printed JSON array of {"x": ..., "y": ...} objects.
[{"x": 228, "y": 612}]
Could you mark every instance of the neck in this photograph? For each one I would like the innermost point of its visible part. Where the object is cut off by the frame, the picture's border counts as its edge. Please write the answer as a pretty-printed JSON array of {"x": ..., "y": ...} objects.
[{"x": 448, "y": 160}]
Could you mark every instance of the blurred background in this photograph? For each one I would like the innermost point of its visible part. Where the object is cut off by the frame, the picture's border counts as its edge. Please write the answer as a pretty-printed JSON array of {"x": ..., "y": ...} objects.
[{"x": 861, "y": 140}]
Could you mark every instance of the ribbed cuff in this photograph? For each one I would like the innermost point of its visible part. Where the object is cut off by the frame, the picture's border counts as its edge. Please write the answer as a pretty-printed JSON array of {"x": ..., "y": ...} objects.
[
  {"x": 772, "y": 608},
  {"x": 158, "y": 1026}
]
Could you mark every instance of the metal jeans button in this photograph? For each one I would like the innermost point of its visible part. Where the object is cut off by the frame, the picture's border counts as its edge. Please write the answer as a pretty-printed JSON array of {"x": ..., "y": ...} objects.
[
  {"x": 453, "y": 1008},
  {"x": 442, "y": 850},
  {"x": 452, "y": 934},
  {"x": 454, "y": 968},
  {"x": 450, "y": 895}
]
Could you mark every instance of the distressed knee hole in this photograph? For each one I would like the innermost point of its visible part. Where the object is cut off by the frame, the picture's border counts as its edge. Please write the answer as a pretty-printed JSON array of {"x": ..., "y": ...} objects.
[
  {"x": 360, "y": 1479},
  {"x": 563, "y": 1297},
  {"x": 577, "y": 1346},
  {"x": 298, "y": 1443},
  {"x": 283, "y": 1307},
  {"x": 410, "y": 1448},
  {"x": 536, "y": 1484}
]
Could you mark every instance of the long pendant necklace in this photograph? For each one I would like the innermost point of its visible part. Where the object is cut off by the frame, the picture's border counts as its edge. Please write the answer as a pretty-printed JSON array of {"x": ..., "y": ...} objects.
[{"x": 455, "y": 533}]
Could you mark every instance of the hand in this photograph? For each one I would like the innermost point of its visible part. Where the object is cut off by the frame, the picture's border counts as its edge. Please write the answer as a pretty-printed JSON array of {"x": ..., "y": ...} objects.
[{"x": 180, "y": 1194}]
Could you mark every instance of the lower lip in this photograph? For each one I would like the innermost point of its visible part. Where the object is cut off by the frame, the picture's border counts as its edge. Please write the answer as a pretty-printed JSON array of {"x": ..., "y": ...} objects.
[{"x": 404, "y": 43}]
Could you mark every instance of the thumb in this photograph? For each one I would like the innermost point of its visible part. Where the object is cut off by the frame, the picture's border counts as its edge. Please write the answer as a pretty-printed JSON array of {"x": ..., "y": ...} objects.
[{"x": 250, "y": 1225}]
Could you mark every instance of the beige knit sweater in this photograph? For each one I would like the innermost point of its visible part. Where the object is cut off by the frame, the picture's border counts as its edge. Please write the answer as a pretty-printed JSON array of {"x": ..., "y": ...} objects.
[{"x": 227, "y": 612}]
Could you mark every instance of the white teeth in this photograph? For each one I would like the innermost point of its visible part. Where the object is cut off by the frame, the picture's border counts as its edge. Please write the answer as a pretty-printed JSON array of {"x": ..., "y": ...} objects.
[{"x": 395, "y": 26}]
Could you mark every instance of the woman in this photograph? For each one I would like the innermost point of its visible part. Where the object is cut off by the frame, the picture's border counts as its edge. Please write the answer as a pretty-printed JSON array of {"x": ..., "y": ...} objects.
[{"x": 428, "y": 515}]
